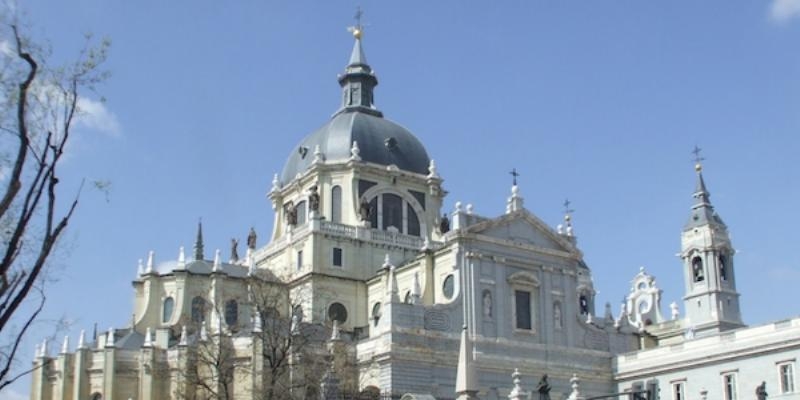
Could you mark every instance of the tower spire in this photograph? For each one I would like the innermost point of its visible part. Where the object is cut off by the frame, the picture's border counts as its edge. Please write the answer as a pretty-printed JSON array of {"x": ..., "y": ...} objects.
[
  {"x": 702, "y": 211},
  {"x": 198, "y": 243},
  {"x": 358, "y": 81}
]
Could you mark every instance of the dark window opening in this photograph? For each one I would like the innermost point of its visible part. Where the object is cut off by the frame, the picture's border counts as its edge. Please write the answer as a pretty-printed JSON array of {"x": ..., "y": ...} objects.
[
  {"x": 231, "y": 312},
  {"x": 392, "y": 211},
  {"x": 697, "y": 269},
  {"x": 337, "y": 312},
  {"x": 336, "y": 204},
  {"x": 523, "y": 309},
  {"x": 337, "y": 257},
  {"x": 198, "y": 309},
  {"x": 413, "y": 221}
]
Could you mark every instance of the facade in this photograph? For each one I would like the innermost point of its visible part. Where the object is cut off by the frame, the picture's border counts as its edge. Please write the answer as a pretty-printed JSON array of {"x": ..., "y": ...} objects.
[{"x": 369, "y": 285}]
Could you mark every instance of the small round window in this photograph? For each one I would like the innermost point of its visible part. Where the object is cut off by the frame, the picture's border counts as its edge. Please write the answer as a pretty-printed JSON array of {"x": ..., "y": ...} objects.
[
  {"x": 448, "y": 288},
  {"x": 337, "y": 312}
]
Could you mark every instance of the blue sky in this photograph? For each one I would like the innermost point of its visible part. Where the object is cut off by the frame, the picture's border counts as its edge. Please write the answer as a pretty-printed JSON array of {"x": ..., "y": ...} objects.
[{"x": 600, "y": 102}]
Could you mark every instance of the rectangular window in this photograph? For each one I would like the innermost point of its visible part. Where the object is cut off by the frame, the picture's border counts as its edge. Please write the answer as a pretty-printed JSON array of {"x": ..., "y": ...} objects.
[
  {"x": 787, "y": 377},
  {"x": 677, "y": 391},
  {"x": 729, "y": 386},
  {"x": 299, "y": 260},
  {"x": 523, "y": 309},
  {"x": 337, "y": 257}
]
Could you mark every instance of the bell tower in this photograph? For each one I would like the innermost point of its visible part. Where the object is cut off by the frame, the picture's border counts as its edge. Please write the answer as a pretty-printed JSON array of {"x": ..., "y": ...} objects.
[{"x": 711, "y": 300}]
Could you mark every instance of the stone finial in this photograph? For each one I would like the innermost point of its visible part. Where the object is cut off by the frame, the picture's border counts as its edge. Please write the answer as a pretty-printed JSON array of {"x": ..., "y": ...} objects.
[
  {"x": 589, "y": 318},
  {"x": 36, "y": 351},
  {"x": 466, "y": 380},
  {"x": 569, "y": 230},
  {"x": 426, "y": 244},
  {"x": 517, "y": 393},
  {"x": 470, "y": 209},
  {"x": 150, "y": 261},
  {"x": 141, "y": 267},
  {"x": 515, "y": 202},
  {"x": 416, "y": 290},
  {"x": 276, "y": 184},
  {"x": 387, "y": 262},
  {"x": 673, "y": 307},
  {"x": 560, "y": 229},
  {"x": 43, "y": 350},
  {"x": 257, "y": 323},
  {"x": 432, "y": 173},
  {"x": 181, "y": 258},
  {"x": 576, "y": 393},
  {"x": 184, "y": 340},
  {"x": 148, "y": 338},
  {"x": 355, "y": 152},
  {"x": 82, "y": 340},
  {"x": 110, "y": 337},
  {"x": 393, "y": 292},
  {"x": 317, "y": 155},
  {"x": 335, "y": 333},
  {"x": 609, "y": 316},
  {"x": 65, "y": 345},
  {"x": 458, "y": 207},
  {"x": 217, "y": 261}
]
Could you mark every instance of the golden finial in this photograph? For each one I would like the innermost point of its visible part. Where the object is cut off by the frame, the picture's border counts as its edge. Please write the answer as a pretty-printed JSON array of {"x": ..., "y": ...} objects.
[
  {"x": 698, "y": 166},
  {"x": 358, "y": 29}
]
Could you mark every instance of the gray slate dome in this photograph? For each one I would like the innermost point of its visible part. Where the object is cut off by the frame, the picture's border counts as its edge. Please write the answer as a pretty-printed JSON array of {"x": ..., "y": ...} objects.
[{"x": 380, "y": 141}]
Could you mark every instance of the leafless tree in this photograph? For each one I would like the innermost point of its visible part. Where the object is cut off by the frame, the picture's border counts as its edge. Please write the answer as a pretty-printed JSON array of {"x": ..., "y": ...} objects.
[{"x": 40, "y": 104}]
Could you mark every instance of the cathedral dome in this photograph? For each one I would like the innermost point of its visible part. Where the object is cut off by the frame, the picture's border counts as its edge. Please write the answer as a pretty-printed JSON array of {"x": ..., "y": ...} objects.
[{"x": 380, "y": 141}]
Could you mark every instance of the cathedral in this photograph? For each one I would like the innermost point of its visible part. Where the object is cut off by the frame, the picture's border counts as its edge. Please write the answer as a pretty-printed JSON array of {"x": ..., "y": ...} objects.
[{"x": 368, "y": 288}]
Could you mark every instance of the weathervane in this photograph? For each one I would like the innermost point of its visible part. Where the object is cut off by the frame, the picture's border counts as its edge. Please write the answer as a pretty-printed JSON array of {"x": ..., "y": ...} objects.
[
  {"x": 358, "y": 29},
  {"x": 698, "y": 166},
  {"x": 515, "y": 174},
  {"x": 568, "y": 211}
]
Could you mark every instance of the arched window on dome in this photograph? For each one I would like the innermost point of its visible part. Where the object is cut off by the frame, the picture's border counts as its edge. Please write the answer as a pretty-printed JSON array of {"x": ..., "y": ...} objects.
[
  {"x": 169, "y": 306},
  {"x": 391, "y": 212},
  {"x": 198, "y": 309},
  {"x": 336, "y": 204}
]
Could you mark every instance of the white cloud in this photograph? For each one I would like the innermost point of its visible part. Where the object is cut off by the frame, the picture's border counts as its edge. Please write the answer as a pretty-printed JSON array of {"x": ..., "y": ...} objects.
[
  {"x": 11, "y": 394},
  {"x": 95, "y": 115},
  {"x": 5, "y": 48},
  {"x": 783, "y": 10}
]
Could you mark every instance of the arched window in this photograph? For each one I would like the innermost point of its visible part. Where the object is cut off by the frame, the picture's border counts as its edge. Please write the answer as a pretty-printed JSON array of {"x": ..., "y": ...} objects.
[
  {"x": 376, "y": 313},
  {"x": 392, "y": 212},
  {"x": 96, "y": 396},
  {"x": 166, "y": 312},
  {"x": 583, "y": 304},
  {"x": 723, "y": 268},
  {"x": 407, "y": 299},
  {"x": 198, "y": 309},
  {"x": 336, "y": 204},
  {"x": 231, "y": 312},
  {"x": 337, "y": 312},
  {"x": 697, "y": 269},
  {"x": 301, "y": 212}
]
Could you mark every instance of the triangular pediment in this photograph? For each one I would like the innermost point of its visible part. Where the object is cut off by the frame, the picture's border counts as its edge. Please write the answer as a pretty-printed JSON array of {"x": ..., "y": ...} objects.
[{"x": 524, "y": 228}]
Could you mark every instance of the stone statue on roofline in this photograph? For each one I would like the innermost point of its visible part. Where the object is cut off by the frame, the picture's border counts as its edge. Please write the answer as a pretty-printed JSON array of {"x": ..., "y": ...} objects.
[
  {"x": 251, "y": 239},
  {"x": 313, "y": 199},
  {"x": 761, "y": 391},
  {"x": 364, "y": 211},
  {"x": 235, "y": 250},
  {"x": 543, "y": 388}
]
